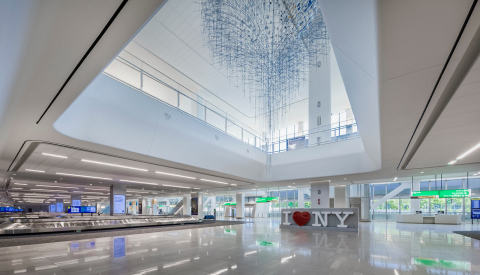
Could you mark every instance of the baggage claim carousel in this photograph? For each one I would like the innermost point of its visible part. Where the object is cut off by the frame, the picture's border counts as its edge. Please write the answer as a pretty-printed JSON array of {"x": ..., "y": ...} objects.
[{"x": 36, "y": 224}]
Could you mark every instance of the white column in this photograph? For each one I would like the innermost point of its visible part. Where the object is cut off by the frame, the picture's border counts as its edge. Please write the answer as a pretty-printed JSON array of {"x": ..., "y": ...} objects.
[
  {"x": 415, "y": 203},
  {"x": 240, "y": 207},
  {"x": 187, "y": 207},
  {"x": 319, "y": 106},
  {"x": 365, "y": 202},
  {"x": 340, "y": 200},
  {"x": 320, "y": 195},
  {"x": 116, "y": 193},
  {"x": 301, "y": 198}
]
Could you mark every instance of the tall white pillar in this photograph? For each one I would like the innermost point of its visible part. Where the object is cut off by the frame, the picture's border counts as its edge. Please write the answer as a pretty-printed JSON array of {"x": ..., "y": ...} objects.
[
  {"x": 320, "y": 195},
  {"x": 341, "y": 197},
  {"x": 301, "y": 198},
  {"x": 240, "y": 207},
  {"x": 117, "y": 200},
  {"x": 415, "y": 203},
  {"x": 199, "y": 197},
  {"x": 319, "y": 101},
  {"x": 187, "y": 206}
]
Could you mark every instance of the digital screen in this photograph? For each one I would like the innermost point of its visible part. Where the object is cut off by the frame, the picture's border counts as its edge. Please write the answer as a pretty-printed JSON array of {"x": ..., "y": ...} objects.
[
  {"x": 76, "y": 202},
  {"x": 82, "y": 209},
  {"x": 118, "y": 204},
  {"x": 59, "y": 207},
  {"x": 475, "y": 209},
  {"x": 10, "y": 209}
]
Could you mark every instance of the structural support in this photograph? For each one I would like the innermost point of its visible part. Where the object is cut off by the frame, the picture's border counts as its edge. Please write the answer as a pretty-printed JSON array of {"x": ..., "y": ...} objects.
[
  {"x": 187, "y": 206},
  {"x": 240, "y": 207},
  {"x": 341, "y": 197},
  {"x": 415, "y": 203},
  {"x": 319, "y": 106},
  {"x": 117, "y": 199},
  {"x": 320, "y": 195}
]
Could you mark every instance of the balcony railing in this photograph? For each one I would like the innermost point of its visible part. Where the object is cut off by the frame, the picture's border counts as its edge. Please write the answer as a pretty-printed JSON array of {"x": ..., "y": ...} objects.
[{"x": 145, "y": 81}]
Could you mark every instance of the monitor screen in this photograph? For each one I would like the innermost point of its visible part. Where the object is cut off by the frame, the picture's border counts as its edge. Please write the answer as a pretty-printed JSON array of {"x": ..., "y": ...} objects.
[{"x": 118, "y": 204}]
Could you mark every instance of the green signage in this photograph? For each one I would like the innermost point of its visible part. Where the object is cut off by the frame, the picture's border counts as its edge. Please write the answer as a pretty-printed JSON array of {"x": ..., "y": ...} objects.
[
  {"x": 266, "y": 199},
  {"x": 230, "y": 204},
  {"x": 456, "y": 193}
]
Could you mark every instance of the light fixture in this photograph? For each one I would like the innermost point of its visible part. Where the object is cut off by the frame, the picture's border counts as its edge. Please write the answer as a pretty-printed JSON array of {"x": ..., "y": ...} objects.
[
  {"x": 82, "y": 176},
  {"x": 466, "y": 153},
  {"x": 140, "y": 182},
  {"x": 233, "y": 184},
  {"x": 54, "y": 155},
  {"x": 395, "y": 178},
  {"x": 174, "y": 175},
  {"x": 214, "y": 181},
  {"x": 18, "y": 183},
  {"x": 114, "y": 165},
  {"x": 176, "y": 186},
  {"x": 35, "y": 170},
  {"x": 95, "y": 189},
  {"x": 421, "y": 172},
  {"x": 48, "y": 190},
  {"x": 55, "y": 186}
]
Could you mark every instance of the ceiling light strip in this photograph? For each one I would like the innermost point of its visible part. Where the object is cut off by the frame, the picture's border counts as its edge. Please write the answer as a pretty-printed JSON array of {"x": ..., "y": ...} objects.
[
  {"x": 174, "y": 175},
  {"x": 214, "y": 181},
  {"x": 140, "y": 182},
  {"x": 54, "y": 155},
  {"x": 114, "y": 165},
  {"x": 35, "y": 170},
  {"x": 82, "y": 176}
]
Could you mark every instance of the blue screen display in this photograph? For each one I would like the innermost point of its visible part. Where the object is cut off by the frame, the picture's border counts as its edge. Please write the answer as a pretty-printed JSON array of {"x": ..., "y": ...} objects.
[
  {"x": 59, "y": 207},
  {"x": 10, "y": 209},
  {"x": 118, "y": 204},
  {"x": 475, "y": 209},
  {"x": 82, "y": 209}
]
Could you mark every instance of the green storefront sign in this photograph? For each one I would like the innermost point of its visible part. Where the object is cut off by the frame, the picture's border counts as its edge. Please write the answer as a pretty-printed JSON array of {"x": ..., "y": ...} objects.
[
  {"x": 456, "y": 193},
  {"x": 230, "y": 204}
]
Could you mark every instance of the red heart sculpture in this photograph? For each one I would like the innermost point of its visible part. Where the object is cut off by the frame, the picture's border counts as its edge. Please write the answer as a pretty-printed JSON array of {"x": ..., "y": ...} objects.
[{"x": 301, "y": 218}]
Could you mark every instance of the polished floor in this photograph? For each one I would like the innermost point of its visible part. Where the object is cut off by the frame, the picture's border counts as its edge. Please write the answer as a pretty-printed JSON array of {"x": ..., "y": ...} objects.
[{"x": 257, "y": 248}]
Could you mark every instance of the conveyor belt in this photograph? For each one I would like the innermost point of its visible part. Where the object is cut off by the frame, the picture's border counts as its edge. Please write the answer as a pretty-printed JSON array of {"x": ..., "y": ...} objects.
[{"x": 14, "y": 226}]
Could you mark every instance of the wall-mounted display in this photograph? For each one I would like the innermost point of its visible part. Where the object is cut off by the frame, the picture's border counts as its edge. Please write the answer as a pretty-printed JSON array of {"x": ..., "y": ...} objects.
[
  {"x": 10, "y": 209},
  {"x": 82, "y": 209},
  {"x": 118, "y": 204},
  {"x": 475, "y": 209}
]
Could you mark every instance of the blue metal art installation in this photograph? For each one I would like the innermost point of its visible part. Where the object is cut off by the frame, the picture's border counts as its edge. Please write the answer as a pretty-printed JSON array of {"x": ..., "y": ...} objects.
[{"x": 267, "y": 46}]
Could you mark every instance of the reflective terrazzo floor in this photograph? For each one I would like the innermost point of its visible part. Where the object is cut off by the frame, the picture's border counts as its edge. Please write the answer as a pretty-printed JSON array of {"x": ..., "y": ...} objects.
[{"x": 257, "y": 248}]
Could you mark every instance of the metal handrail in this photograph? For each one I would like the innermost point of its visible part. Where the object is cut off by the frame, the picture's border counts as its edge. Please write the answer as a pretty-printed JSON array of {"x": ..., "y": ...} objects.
[{"x": 262, "y": 144}]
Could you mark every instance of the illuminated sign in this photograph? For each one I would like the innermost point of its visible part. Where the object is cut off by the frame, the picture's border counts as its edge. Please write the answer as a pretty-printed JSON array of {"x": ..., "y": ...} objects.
[
  {"x": 456, "y": 193},
  {"x": 118, "y": 204},
  {"x": 266, "y": 199},
  {"x": 475, "y": 209},
  {"x": 10, "y": 209},
  {"x": 82, "y": 209},
  {"x": 230, "y": 204}
]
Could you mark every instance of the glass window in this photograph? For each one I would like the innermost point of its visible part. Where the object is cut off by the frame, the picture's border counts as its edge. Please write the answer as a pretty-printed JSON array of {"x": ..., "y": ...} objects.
[
  {"x": 437, "y": 204},
  {"x": 405, "y": 205}
]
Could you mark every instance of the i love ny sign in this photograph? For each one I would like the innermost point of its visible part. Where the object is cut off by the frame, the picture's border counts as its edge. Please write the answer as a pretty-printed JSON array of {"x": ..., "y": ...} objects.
[{"x": 343, "y": 219}]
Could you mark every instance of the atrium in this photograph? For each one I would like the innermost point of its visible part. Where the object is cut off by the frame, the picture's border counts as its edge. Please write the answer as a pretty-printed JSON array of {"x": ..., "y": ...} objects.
[{"x": 240, "y": 137}]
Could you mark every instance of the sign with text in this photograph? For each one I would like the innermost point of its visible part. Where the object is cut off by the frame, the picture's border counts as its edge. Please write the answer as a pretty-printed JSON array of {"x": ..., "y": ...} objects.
[
  {"x": 118, "y": 204},
  {"x": 341, "y": 219},
  {"x": 456, "y": 193},
  {"x": 475, "y": 209}
]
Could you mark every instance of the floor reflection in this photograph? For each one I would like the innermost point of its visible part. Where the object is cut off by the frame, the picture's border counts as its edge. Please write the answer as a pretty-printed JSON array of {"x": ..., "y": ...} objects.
[{"x": 257, "y": 248}]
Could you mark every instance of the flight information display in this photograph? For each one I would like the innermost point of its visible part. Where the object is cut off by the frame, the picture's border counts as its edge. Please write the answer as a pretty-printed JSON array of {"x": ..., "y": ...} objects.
[
  {"x": 475, "y": 209},
  {"x": 82, "y": 209},
  {"x": 10, "y": 209}
]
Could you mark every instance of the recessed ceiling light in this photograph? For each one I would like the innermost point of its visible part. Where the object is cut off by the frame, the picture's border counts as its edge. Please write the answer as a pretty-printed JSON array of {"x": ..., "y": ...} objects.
[
  {"x": 174, "y": 175},
  {"x": 35, "y": 170},
  {"x": 176, "y": 186},
  {"x": 466, "y": 153},
  {"x": 55, "y": 186},
  {"x": 114, "y": 165},
  {"x": 82, "y": 176},
  {"x": 141, "y": 182},
  {"x": 214, "y": 181},
  {"x": 395, "y": 178},
  {"x": 421, "y": 172},
  {"x": 54, "y": 155}
]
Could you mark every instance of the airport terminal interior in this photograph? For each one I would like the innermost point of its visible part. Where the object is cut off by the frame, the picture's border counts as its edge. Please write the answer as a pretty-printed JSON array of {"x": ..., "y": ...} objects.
[{"x": 240, "y": 137}]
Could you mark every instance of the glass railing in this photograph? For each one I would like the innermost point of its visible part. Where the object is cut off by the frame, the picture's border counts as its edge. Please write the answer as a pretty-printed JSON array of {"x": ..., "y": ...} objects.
[{"x": 143, "y": 77}]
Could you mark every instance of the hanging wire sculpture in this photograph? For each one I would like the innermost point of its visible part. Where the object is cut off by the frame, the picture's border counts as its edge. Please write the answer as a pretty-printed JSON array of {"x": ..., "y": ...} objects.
[{"x": 267, "y": 46}]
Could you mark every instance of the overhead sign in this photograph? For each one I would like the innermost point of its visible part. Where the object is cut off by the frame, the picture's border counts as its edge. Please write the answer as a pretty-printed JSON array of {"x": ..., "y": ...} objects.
[
  {"x": 230, "y": 204},
  {"x": 82, "y": 209},
  {"x": 266, "y": 199},
  {"x": 342, "y": 219},
  {"x": 10, "y": 209},
  {"x": 455, "y": 193}
]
